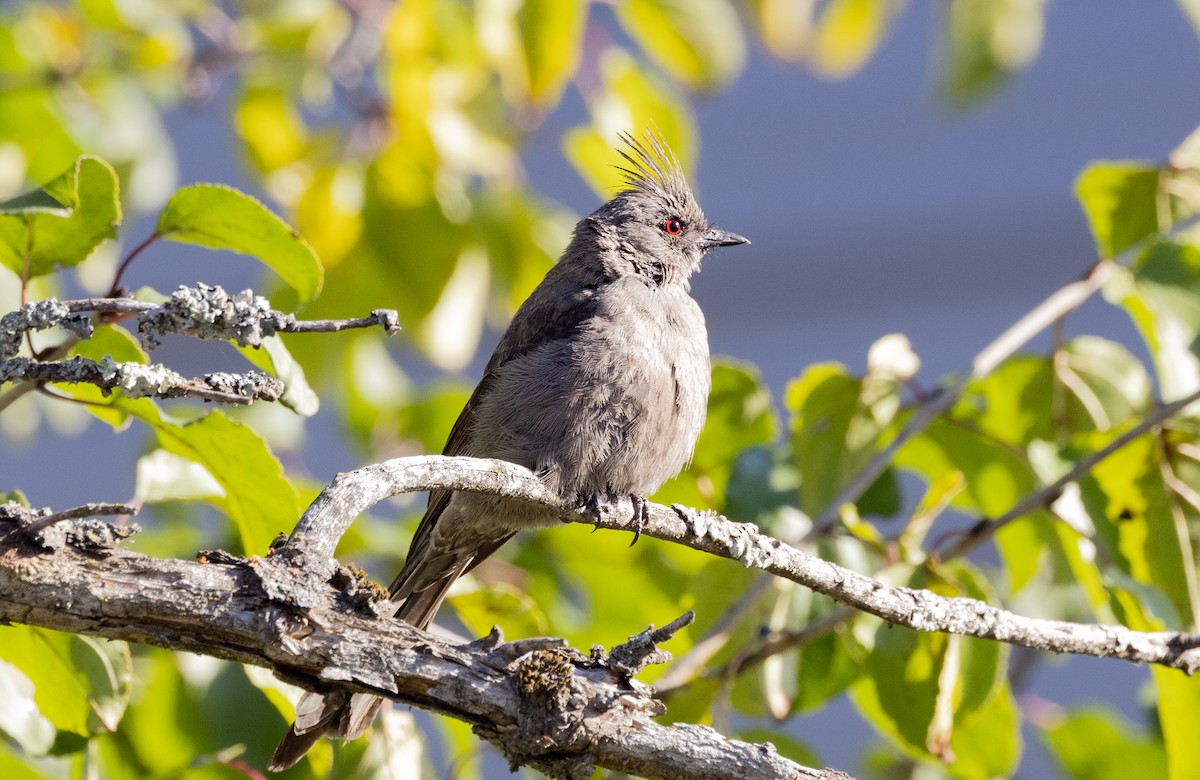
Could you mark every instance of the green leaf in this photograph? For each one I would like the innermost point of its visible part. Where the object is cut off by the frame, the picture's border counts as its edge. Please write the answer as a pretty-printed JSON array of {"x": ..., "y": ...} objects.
[
  {"x": 82, "y": 683},
  {"x": 1099, "y": 745},
  {"x": 932, "y": 695},
  {"x": 165, "y": 476},
  {"x": 570, "y": 578},
  {"x": 848, "y": 33},
  {"x": 220, "y": 217},
  {"x": 1120, "y": 200},
  {"x": 13, "y": 768},
  {"x": 836, "y": 425},
  {"x": 996, "y": 477},
  {"x": 987, "y": 742},
  {"x": 1162, "y": 296},
  {"x": 1179, "y": 719},
  {"x": 271, "y": 127},
  {"x": 804, "y": 679},
  {"x": 1090, "y": 384},
  {"x": 986, "y": 41},
  {"x": 258, "y": 497},
  {"x": 446, "y": 276},
  {"x": 273, "y": 357},
  {"x": 698, "y": 42},
  {"x": 431, "y": 413},
  {"x": 20, "y": 719},
  {"x": 552, "y": 39},
  {"x": 1131, "y": 508},
  {"x": 498, "y": 604},
  {"x": 1107, "y": 383},
  {"x": 164, "y": 731},
  {"x": 36, "y": 233}
]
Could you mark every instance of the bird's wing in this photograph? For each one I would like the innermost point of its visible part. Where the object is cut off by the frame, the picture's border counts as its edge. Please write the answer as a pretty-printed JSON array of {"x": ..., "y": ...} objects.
[{"x": 546, "y": 317}]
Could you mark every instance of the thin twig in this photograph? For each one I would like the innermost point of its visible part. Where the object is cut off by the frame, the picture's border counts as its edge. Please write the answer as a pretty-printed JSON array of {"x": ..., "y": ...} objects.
[
  {"x": 75, "y": 513},
  {"x": 138, "y": 380},
  {"x": 385, "y": 318},
  {"x": 690, "y": 663},
  {"x": 124, "y": 266}
]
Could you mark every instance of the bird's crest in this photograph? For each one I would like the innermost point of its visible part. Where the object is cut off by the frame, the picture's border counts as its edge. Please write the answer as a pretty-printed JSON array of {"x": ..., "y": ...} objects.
[{"x": 653, "y": 167}]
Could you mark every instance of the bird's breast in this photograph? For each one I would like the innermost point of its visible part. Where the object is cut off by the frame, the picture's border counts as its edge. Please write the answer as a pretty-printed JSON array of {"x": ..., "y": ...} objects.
[{"x": 650, "y": 377}]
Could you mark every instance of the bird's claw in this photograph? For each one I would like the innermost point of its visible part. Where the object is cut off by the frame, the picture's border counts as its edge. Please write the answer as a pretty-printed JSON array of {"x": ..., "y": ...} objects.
[
  {"x": 594, "y": 505},
  {"x": 640, "y": 514}
]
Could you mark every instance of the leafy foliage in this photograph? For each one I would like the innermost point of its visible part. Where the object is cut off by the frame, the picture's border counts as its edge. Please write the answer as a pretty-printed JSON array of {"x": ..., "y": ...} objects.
[{"x": 367, "y": 125}]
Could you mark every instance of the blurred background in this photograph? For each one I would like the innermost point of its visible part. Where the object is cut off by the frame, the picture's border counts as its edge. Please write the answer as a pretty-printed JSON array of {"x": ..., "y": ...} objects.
[{"x": 898, "y": 176}]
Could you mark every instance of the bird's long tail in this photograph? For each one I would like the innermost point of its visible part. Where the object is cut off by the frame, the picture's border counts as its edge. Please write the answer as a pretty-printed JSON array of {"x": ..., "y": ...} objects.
[{"x": 348, "y": 715}]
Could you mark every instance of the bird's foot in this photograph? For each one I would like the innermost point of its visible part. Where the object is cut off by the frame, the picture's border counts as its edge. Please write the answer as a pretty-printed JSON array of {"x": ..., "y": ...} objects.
[
  {"x": 640, "y": 513},
  {"x": 595, "y": 505}
]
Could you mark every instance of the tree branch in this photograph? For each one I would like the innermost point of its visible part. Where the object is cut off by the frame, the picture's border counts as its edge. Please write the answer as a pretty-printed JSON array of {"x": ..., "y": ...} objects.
[
  {"x": 542, "y": 703},
  {"x": 203, "y": 311},
  {"x": 139, "y": 380},
  {"x": 353, "y": 492}
]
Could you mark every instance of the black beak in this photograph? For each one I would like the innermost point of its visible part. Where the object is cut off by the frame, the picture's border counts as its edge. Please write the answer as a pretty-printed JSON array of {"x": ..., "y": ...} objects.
[{"x": 717, "y": 237}]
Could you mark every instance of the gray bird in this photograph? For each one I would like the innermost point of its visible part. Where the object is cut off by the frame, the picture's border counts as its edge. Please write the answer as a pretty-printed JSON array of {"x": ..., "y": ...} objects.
[{"x": 599, "y": 385}]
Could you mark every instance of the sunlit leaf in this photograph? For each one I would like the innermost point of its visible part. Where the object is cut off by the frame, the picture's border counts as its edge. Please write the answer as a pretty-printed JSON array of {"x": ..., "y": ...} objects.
[
  {"x": 430, "y": 414},
  {"x": 1162, "y": 296},
  {"x": 497, "y": 604},
  {"x": 271, "y": 126},
  {"x": 162, "y": 732},
  {"x": 220, "y": 217},
  {"x": 906, "y": 672},
  {"x": 848, "y": 33},
  {"x": 836, "y": 424},
  {"x": 1179, "y": 719},
  {"x": 164, "y": 476},
  {"x": 1100, "y": 745},
  {"x": 986, "y": 41},
  {"x": 1108, "y": 383},
  {"x": 552, "y": 41},
  {"x": 1121, "y": 202},
  {"x": 787, "y": 27},
  {"x": 698, "y": 42},
  {"x": 1138, "y": 524},
  {"x": 12, "y": 768},
  {"x": 273, "y": 357},
  {"x": 82, "y": 683},
  {"x": 20, "y": 719},
  {"x": 329, "y": 211},
  {"x": 258, "y": 497},
  {"x": 36, "y": 237}
]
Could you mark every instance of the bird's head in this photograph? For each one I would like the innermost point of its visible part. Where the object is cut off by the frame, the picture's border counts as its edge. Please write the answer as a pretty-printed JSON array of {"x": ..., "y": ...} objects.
[{"x": 654, "y": 227}]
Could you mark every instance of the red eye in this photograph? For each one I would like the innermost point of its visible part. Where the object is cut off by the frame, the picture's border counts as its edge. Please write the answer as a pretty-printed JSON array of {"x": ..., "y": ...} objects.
[{"x": 673, "y": 227}]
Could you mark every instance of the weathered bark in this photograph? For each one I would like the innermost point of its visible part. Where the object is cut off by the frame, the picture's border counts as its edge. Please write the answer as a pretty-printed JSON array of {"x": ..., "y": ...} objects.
[{"x": 543, "y": 704}]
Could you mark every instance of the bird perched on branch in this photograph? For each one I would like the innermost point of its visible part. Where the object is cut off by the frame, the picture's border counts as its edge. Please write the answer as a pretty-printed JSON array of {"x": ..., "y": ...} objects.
[{"x": 599, "y": 385}]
